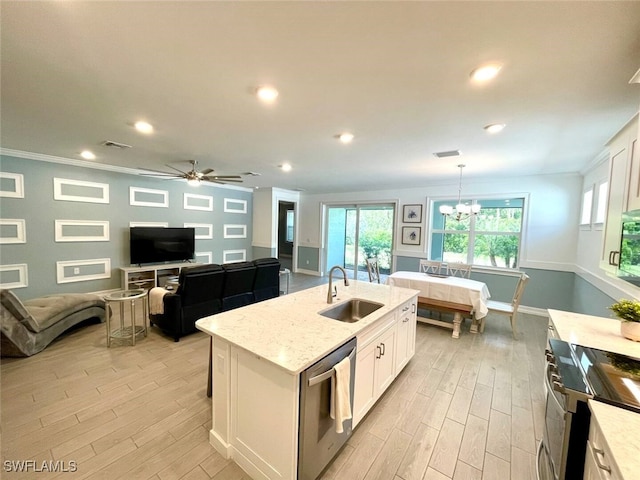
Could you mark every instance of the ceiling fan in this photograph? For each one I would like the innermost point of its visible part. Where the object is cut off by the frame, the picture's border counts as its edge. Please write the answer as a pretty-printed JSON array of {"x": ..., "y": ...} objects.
[{"x": 195, "y": 177}]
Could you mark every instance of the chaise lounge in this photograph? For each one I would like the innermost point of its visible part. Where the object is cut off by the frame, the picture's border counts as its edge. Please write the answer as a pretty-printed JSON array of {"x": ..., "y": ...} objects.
[{"x": 26, "y": 328}]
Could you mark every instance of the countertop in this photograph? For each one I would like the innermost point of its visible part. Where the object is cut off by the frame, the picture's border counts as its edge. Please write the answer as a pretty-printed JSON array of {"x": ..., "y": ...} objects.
[
  {"x": 591, "y": 331},
  {"x": 620, "y": 429},
  {"x": 288, "y": 331}
]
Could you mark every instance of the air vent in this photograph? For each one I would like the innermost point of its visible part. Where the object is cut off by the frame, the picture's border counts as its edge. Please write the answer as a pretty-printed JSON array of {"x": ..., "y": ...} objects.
[
  {"x": 109, "y": 143},
  {"x": 450, "y": 153}
]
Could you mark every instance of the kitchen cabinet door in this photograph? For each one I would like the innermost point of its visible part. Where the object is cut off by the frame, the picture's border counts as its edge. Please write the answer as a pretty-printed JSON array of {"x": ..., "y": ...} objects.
[
  {"x": 375, "y": 370},
  {"x": 364, "y": 387},
  {"x": 385, "y": 371},
  {"x": 633, "y": 198},
  {"x": 621, "y": 149}
]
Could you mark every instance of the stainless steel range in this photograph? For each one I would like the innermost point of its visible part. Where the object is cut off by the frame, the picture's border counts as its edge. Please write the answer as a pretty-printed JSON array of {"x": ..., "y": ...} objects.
[{"x": 575, "y": 374}]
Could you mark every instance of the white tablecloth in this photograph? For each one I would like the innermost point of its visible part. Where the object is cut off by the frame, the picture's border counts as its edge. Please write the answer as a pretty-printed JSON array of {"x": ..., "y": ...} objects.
[{"x": 449, "y": 289}]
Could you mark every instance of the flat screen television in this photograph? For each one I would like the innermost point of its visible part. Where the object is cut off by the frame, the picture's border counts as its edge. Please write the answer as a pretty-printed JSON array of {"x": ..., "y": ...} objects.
[{"x": 159, "y": 244}]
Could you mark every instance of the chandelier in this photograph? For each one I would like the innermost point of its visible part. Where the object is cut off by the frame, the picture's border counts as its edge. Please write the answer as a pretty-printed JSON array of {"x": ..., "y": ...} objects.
[{"x": 461, "y": 211}]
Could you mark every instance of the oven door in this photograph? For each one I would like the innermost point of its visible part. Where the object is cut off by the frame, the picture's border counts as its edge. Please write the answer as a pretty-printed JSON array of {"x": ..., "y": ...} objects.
[{"x": 552, "y": 452}]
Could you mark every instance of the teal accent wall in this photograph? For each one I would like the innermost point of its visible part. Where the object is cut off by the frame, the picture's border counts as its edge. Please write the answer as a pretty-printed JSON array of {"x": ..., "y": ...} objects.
[
  {"x": 545, "y": 289},
  {"x": 39, "y": 210},
  {"x": 308, "y": 258},
  {"x": 263, "y": 252},
  {"x": 589, "y": 300}
]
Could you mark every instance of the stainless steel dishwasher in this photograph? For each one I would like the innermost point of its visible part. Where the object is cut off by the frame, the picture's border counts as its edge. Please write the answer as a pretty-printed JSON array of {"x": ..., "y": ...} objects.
[{"x": 318, "y": 441}]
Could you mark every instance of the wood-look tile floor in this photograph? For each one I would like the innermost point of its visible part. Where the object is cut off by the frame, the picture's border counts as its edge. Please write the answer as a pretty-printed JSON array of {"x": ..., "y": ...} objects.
[{"x": 462, "y": 409}]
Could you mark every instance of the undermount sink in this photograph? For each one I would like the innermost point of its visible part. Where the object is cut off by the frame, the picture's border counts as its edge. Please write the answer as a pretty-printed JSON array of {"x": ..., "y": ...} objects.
[{"x": 351, "y": 310}]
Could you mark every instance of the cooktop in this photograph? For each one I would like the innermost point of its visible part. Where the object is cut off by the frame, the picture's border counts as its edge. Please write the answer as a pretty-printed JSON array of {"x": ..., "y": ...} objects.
[{"x": 613, "y": 378}]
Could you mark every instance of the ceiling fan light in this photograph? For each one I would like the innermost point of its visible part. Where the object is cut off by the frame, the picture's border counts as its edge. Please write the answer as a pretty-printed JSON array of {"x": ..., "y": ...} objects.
[
  {"x": 193, "y": 182},
  {"x": 475, "y": 208}
]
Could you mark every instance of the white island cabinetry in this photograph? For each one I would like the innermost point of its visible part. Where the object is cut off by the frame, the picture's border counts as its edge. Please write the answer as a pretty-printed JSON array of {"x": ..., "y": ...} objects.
[
  {"x": 260, "y": 351},
  {"x": 375, "y": 369}
]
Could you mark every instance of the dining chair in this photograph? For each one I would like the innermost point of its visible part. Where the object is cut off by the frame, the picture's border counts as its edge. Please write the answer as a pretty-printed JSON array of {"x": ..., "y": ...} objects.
[
  {"x": 430, "y": 266},
  {"x": 459, "y": 270},
  {"x": 510, "y": 309},
  {"x": 373, "y": 269}
]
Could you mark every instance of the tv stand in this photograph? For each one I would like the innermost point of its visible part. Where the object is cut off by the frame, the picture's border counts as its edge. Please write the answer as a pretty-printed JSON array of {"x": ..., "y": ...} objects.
[{"x": 149, "y": 276}]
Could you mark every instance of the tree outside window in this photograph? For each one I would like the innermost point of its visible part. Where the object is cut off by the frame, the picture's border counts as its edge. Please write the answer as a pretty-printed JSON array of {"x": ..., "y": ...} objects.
[{"x": 492, "y": 238}]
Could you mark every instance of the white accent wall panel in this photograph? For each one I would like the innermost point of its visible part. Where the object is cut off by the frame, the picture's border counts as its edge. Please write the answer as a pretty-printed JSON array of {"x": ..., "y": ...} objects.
[
  {"x": 14, "y": 276},
  {"x": 235, "y": 231},
  {"x": 82, "y": 231},
  {"x": 233, "y": 205},
  {"x": 198, "y": 202},
  {"x": 148, "y": 197},
  {"x": 230, "y": 256},
  {"x": 15, "y": 182},
  {"x": 69, "y": 271},
  {"x": 80, "y": 191},
  {"x": 13, "y": 230}
]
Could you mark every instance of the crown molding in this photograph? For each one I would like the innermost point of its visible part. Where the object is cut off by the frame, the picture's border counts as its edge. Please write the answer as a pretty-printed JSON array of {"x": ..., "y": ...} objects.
[
  {"x": 41, "y": 157},
  {"x": 598, "y": 160}
]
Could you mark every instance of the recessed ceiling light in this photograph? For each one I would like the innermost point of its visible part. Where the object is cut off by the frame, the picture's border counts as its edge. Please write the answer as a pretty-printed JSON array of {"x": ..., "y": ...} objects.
[
  {"x": 285, "y": 167},
  {"x": 143, "y": 127},
  {"x": 485, "y": 72},
  {"x": 494, "y": 127},
  {"x": 267, "y": 93},
  {"x": 346, "y": 137},
  {"x": 88, "y": 155}
]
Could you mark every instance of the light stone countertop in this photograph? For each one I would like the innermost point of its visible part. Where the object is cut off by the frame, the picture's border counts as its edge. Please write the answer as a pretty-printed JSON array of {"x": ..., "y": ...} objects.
[
  {"x": 620, "y": 429},
  {"x": 591, "y": 331},
  {"x": 288, "y": 331}
]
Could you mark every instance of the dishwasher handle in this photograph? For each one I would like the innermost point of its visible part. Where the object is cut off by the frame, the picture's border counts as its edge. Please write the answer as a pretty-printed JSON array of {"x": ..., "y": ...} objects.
[{"x": 329, "y": 373}]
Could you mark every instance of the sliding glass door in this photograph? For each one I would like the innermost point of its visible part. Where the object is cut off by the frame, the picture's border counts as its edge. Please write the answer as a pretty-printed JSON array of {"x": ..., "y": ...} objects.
[{"x": 357, "y": 232}]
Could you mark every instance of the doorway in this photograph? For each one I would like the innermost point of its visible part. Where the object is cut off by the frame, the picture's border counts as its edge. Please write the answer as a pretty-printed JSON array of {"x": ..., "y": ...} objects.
[
  {"x": 357, "y": 232},
  {"x": 286, "y": 233}
]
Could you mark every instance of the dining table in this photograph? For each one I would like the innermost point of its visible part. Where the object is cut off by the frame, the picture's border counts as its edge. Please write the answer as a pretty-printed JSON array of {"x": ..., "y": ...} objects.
[{"x": 461, "y": 296}]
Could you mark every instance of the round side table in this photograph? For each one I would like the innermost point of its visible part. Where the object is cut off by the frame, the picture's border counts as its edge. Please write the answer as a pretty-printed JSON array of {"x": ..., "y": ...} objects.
[{"x": 127, "y": 332}]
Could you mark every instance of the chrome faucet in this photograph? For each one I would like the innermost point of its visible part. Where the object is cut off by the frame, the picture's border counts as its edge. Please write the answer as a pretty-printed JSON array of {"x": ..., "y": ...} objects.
[{"x": 330, "y": 293}]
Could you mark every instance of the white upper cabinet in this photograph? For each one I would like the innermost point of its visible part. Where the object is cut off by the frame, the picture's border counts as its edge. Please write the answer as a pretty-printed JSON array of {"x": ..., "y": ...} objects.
[{"x": 624, "y": 190}]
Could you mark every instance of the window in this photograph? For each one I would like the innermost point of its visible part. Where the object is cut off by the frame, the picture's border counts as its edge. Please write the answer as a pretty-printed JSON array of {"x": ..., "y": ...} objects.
[
  {"x": 587, "y": 204},
  {"x": 601, "y": 202},
  {"x": 289, "y": 237},
  {"x": 492, "y": 238}
]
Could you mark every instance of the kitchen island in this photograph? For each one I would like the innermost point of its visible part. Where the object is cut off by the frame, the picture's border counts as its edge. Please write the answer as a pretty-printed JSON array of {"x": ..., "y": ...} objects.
[{"x": 259, "y": 352}]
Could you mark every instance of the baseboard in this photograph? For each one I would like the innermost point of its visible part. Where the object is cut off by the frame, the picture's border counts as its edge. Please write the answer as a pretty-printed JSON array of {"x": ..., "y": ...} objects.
[{"x": 308, "y": 272}]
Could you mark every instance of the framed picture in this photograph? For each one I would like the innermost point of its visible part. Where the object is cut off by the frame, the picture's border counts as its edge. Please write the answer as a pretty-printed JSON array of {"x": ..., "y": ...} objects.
[
  {"x": 412, "y": 214},
  {"x": 411, "y": 235}
]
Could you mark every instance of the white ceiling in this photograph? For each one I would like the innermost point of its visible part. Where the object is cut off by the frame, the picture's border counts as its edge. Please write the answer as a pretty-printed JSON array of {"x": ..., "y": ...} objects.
[{"x": 396, "y": 74}]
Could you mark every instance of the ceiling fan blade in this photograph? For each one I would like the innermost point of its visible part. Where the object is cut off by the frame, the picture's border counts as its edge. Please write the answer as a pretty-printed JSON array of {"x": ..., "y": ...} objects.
[
  {"x": 226, "y": 176},
  {"x": 207, "y": 171},
  {"x": 220, "y": 179},
  {"x": 161, "y": 174},
  {"x": 177, "y": 169}
]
